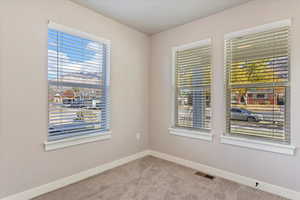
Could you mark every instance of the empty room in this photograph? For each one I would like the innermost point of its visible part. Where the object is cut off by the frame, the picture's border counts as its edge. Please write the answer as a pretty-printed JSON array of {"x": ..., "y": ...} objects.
[{"x": 149, "y": 99}]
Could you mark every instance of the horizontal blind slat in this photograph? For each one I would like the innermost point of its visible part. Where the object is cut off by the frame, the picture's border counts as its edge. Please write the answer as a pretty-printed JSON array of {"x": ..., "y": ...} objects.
[
  {"x": 193, "y": 79},
  {"x": 257, "y": 70},
  {"x": 78, "y": 101}
]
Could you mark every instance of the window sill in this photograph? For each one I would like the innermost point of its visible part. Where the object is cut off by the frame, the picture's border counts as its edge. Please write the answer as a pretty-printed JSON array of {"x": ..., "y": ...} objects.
[
  {"x": 191, "y": 134},
  {"x": 67, "y": 142},
  {"x": 259, "y": 145}
]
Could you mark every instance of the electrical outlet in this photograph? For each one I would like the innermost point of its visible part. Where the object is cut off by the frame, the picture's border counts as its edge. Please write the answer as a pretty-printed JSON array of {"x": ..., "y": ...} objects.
[{"x": 138, "y": 136}]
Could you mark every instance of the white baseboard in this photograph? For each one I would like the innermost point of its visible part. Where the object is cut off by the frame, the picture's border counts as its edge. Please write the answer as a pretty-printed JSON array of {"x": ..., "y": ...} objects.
[
  {"x": 34, "y": 192},
  {"x": 284, "y": 192},
  {"x": 37, "y": 191}
]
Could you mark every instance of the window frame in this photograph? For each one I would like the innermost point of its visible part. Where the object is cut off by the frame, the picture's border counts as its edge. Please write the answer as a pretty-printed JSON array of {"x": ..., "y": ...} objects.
[
  {"x": 257, "y": 142},
  {"x": 89, "y": 137},
  {"x": 199, "y": 133}
]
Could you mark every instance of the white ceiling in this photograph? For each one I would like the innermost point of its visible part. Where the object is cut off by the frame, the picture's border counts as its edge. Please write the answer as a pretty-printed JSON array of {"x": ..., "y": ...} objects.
[{"x": 153, "y": 16}]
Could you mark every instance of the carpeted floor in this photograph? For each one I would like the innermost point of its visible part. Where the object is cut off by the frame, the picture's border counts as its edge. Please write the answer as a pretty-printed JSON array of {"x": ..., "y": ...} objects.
[{"x": 154, "y": 179}]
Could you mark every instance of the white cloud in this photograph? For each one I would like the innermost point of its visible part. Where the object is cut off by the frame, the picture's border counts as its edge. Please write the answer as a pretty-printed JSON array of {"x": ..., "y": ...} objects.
[{"x": 76, "y": 66}]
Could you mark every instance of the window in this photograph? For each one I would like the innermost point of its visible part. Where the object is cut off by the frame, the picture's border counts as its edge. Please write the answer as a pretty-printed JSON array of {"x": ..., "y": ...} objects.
[
  {"x": 257, "y": 69},
  {"x": 78, "y": 83},
  {"x": 192, "y": 83}
]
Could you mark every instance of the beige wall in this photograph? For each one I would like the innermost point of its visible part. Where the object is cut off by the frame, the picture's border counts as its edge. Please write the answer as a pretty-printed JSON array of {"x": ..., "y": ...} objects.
[
  {"x": 23, "y": 84},
  {"x": 269, "y": 167}
]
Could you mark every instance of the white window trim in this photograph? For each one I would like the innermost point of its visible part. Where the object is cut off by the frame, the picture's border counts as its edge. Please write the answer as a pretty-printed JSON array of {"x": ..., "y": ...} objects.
[
  {"x": 191, "y": 134},
  {"x": 76, "y": 140},
  {"x": 196, "y": 134},
  {"x": 72, "y": 141},
  {"x": 257, "y": 29},
  {"x": 76, "y": 32},
  {"x": 259, "y": 145}
]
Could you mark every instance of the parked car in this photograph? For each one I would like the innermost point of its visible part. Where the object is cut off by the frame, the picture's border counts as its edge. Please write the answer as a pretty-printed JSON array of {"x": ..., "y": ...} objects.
[{"x": 245, "y": 115}]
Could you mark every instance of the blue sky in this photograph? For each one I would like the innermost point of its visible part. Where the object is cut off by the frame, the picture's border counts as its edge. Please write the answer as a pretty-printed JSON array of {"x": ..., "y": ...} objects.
[{"x": 66, "y": 41}]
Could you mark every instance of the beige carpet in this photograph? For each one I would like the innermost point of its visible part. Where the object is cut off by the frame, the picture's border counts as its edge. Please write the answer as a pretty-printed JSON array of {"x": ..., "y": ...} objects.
[{"x": 154, "y": 179}]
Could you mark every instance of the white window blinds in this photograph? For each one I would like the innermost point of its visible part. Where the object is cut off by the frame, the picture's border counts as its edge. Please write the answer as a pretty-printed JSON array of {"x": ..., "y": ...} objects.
[
  {"x": 257, "y": 66},
  {"x": 78, "y": 85},
  {"x": 192, "y": 86}
]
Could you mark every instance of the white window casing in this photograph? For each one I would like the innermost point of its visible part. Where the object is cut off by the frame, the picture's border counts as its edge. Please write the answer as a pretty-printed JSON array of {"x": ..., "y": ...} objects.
[
  {"x": 78, "y": 87},
  {"x": 191, "y": 90},
  {"x": 257, "y": 64}
]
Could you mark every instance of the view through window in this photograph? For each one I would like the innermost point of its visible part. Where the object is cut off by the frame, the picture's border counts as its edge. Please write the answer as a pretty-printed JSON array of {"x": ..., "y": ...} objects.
[
  {"x": 77, "y": 89},
  {"x": 258, "y": 84},
  {"x": 193, "y": 80}
]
